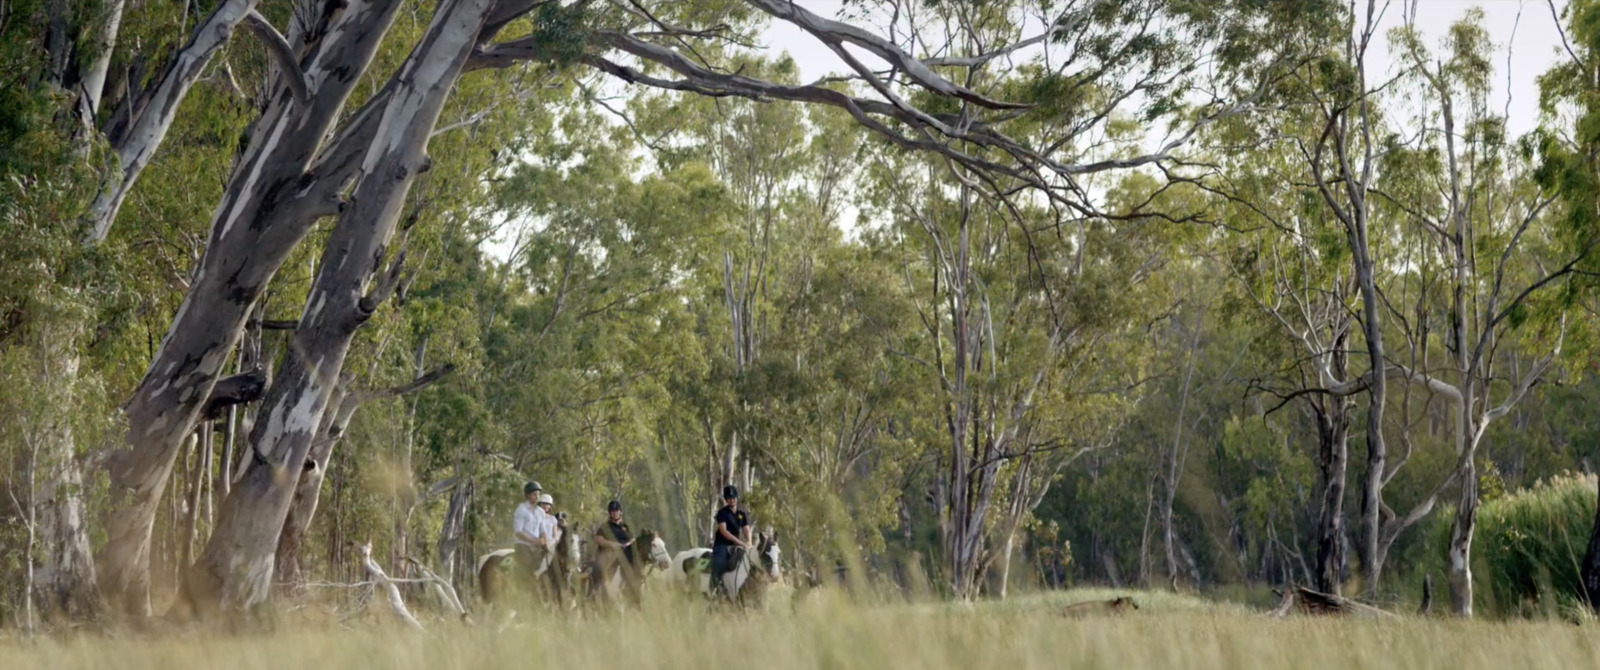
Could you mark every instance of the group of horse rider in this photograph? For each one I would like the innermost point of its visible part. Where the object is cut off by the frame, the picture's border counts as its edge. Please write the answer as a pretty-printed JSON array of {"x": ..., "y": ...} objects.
[{"x": 538, "y": 532}]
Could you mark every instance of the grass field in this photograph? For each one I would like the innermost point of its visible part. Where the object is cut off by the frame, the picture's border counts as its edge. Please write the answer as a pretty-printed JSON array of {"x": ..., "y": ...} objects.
[{"x": 1167, "y": 632}]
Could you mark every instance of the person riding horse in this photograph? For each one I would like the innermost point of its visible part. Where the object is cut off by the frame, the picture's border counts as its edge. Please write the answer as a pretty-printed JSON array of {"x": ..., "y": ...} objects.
[
  {"x": 528, "y": 527},
  {"x": 615, "y": 552},
  {"x": 732, "y": 531}
]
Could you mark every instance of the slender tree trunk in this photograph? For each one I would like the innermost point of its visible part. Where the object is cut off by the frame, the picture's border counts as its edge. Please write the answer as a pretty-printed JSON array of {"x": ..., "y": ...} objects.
[
  {"x": 959, "y": 554},
  {"x": 262, "y": 217},
  {"x": 105, "y": 42},
  {"x": 1372, "y": 551},
  {"x": 1144, "y": 533},
  {"x": 67, "y": 581},
  {"x": 1461, "y": 529},
  {"x": 1175, "y": 459},
  {"x": 198, "y": 469},
  {"x": 454, "y": 525},
  {"x": 235, "y": 571},
  {"x": 1465, "y": 521}
]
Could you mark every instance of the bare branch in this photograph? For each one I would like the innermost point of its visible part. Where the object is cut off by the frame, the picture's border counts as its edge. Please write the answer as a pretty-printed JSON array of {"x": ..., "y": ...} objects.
[
  {"x": 409, "y": 387},
  {"x": 836, "y": 33},
  {"x": 282, "y": 54}
]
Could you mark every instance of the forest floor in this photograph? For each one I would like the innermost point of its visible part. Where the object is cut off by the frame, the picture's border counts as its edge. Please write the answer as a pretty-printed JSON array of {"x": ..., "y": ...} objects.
[{"x": 1025, "y": 632}]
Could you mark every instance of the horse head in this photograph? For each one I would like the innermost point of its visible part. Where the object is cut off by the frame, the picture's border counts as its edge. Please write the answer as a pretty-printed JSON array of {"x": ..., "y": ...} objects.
[
  {"x": 770, "y": 554},
  {"x": 657, "y": 553}
]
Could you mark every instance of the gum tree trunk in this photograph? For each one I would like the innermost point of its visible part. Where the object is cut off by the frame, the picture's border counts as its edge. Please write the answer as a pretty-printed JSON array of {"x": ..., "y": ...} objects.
[
  {"x": 66, "y": 583},
  {"x": 148, "y": 131},
  {"x": 1333, "y": 434},
  {"x": 267, "y": 209},
  {"x": 235, "y": 571}
]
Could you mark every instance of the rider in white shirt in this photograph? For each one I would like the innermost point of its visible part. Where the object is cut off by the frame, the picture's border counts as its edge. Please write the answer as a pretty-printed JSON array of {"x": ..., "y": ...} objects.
[
  {"x": 531, "y": 526},
  {"x": 532, "y": 521}
]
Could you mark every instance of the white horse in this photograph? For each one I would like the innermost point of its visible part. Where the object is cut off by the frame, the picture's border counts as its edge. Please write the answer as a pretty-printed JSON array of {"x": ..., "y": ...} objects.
[
  {"x": 691, "y": 569},
  {"x": 655, "y": 558}
]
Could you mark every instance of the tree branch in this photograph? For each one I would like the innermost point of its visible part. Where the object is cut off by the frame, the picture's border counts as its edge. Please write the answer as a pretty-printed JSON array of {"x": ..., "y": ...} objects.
[
  {"x": 409, "y": 387},
  {"x": 282, "y": 54},
  {"x": 236, "y": 390}
]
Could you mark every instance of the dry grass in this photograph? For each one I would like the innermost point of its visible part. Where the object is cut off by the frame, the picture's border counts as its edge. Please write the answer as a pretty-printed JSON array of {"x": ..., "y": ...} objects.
[{"x": 1168, "y": 632}]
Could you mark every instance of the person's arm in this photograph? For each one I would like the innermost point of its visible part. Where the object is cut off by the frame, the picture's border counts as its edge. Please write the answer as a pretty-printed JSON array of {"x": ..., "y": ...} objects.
[
  {"x": 722, "y": 529},
  {"x": 601, "y": 539}
]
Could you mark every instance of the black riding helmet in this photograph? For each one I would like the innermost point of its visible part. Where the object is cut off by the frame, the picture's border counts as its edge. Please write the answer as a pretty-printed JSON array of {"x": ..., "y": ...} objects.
[
  {"x": 614, "y": 506},
  {"x": 730, "y": 492},
  {"x": 532, "y": 487}
]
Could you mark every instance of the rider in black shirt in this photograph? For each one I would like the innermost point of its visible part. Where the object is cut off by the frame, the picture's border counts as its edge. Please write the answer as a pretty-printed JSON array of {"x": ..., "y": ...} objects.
[
  {"x": 732, "y": 530},
  {"x": 612, "y": 537}
]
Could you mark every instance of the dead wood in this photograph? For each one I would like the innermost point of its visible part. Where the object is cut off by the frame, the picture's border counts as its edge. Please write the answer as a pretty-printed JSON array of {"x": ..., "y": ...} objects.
[{"x": 1302, "y": 600}]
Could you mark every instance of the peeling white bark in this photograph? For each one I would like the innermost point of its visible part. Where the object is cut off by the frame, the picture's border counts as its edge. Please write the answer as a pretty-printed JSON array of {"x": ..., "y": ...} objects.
[
  {"x": 266, "y": 210},
  {"x": 245, "y": 541}
]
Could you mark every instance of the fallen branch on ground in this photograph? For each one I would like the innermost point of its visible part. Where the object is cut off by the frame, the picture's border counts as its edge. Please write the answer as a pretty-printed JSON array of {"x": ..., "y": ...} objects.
[
  {"x": 375, "y": 574},
  {"x": 1307, "y": 601},
  {"x": 442, "y": 589}
]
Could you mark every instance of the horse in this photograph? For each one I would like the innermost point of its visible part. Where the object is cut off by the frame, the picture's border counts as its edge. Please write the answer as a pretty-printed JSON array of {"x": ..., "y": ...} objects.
[
  {"x": 564, "y": 559},
  {"x": 609, "y": 569},
  {"x": 744, "y": 579}
]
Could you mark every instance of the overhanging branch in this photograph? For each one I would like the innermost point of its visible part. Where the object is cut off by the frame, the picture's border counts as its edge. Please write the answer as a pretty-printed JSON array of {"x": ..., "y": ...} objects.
[{"x": 282, "y": 54}]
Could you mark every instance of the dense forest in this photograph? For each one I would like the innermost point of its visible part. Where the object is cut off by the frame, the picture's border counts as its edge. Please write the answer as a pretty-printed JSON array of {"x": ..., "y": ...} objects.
[{"x": 1168, "y": 293}]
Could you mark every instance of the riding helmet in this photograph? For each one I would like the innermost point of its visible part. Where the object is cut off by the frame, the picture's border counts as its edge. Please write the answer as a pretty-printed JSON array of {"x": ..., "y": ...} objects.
[
  {"x": 730, "y": 492},
  {"x": 531, "y": 487},
  {"x": 614, "y": 506}
]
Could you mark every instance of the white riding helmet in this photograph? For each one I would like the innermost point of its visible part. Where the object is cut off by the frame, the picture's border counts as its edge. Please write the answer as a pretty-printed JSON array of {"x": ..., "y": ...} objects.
[{"x": 545, "y": 499}]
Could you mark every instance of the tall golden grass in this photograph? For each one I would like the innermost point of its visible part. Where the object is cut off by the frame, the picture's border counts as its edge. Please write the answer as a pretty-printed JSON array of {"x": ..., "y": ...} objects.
[{"x": 825, "y": 632}]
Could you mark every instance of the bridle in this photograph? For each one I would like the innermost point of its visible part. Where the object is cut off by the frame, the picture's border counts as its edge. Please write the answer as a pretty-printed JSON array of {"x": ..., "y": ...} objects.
[{"x": 744, "y": 566}]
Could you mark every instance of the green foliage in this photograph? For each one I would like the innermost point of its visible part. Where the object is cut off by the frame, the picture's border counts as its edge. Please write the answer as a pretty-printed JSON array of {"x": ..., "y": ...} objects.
[{"x": 1529, "y": 546}]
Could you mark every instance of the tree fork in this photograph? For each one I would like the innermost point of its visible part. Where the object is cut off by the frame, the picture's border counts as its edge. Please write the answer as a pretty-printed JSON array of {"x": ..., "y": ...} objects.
[{"x": 235, "y": 571}]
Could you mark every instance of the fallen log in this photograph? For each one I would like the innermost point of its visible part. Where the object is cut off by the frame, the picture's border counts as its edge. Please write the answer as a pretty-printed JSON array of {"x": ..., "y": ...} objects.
[{"x": 1314, "y": 603}]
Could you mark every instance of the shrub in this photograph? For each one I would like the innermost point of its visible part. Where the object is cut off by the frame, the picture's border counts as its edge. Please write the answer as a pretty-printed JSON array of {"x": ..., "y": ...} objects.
[{"x": 1528, "y": 547}]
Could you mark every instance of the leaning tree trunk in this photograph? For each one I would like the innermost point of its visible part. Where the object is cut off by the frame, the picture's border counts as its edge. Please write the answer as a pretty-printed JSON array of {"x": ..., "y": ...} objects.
[
  {"x": 235, "y": 571},
  {"x": 270, "y": 204},
  {"x": 1175, "y": 461},
  {"x": 308, "y": 490},
  {"x": 303, "y": 507},
  {"x": 135, "y": 149}
]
